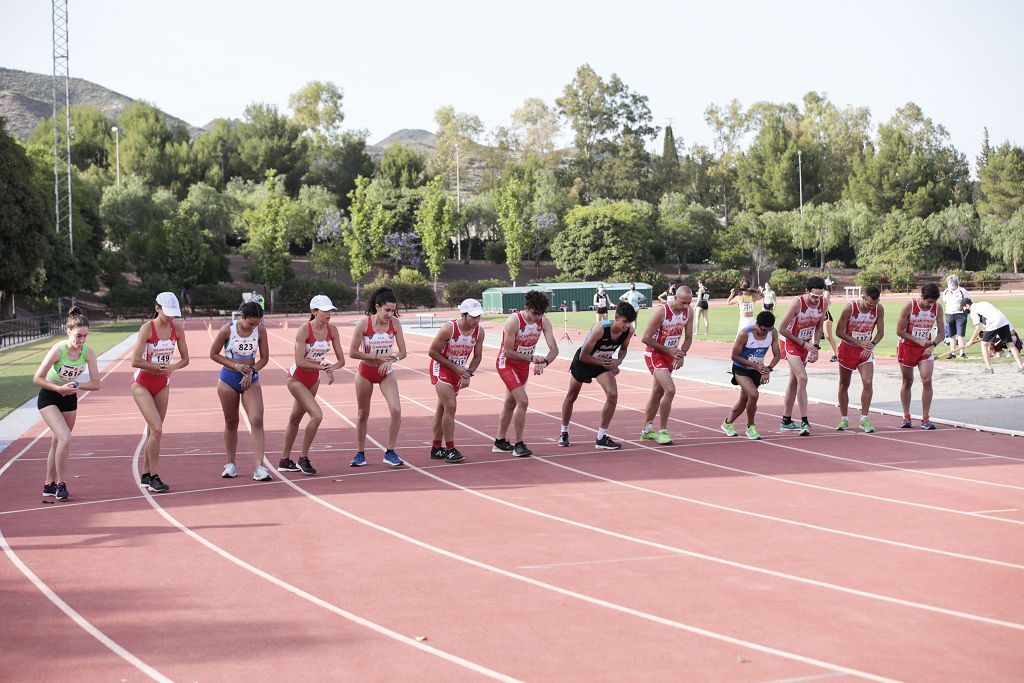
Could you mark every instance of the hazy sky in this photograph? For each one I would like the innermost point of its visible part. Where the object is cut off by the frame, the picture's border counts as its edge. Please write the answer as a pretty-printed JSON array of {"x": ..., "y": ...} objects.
[{"x": 397, "y": 62}]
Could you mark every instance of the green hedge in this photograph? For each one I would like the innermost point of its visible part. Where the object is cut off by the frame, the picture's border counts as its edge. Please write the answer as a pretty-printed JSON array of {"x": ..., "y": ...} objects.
[
  {"x": 895, "y": 282},
  {"x": 787, "y": 282},
  {"x": 296, "y": 293},
  {"x": 459, "y": 290},
  {"x": 410, "y": 286},
  {"x": 718, "y": 282}
]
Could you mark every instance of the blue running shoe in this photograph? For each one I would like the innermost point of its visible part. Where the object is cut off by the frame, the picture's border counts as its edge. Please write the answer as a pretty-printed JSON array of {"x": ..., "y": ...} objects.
[
  {"x": 906, "y": 424},
  {"x": 927, "y": 424},
  {"x": 358, "y": 461},
  {"x": 391, "y": 458}
]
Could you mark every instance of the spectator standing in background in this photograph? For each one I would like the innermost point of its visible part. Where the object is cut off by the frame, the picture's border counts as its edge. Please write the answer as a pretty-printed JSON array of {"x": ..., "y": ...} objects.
[
  {"x": 633, "y": 297},
  {"x": 953, "y": 298}
]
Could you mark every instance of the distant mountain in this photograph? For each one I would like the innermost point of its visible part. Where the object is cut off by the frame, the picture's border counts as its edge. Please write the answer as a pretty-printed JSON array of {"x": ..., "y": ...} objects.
[
  {"x": 27, "y": 98},
  {"x": 422, "y": 141}
]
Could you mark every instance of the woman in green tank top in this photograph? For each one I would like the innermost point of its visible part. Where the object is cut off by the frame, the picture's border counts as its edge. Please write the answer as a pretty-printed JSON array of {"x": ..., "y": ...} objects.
[{"x": 58, "y": 381}]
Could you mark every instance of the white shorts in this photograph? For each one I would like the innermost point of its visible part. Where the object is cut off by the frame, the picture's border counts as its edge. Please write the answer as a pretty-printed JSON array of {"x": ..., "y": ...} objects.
[{"x": 744, "y": 324}]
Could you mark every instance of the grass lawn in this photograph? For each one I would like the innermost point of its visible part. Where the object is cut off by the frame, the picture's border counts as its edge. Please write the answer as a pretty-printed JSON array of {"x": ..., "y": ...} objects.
[
  {"x": 723, "y": 321},
  {"x": 17, "y": 365}
]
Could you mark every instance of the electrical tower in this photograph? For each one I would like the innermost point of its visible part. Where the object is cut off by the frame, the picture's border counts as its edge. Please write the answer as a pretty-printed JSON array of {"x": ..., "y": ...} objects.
[{"x": 62, "y": 131}]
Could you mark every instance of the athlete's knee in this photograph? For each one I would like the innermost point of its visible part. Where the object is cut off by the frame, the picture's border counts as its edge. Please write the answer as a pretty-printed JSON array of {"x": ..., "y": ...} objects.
[
  {"x": 256, "y": 422},
  {"x": 926, "y": 382},
  {"x": 523, "y": 401},
  {"x": 231, "y": 424},
  {"x": 155, "y": 430},
  {"x": 363, "y": 413},
  {"x": 294, "y": 420},
  {"x": 867, "y": 384},
  {"x": 612, "y": 396},
  {"x": 669, "y": 391}
]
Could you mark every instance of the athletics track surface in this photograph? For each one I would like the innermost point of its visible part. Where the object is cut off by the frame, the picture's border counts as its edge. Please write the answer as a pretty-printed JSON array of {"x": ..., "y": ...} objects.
[{"x": 894, "y": 556}]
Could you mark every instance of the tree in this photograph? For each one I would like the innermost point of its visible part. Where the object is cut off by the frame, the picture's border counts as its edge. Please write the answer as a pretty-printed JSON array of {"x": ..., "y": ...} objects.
[
  {"x": 317, "y": 110},
  {"x": 535, "y": 129},
  {"x": 512, "y": 204},
  {"x": 956, "y": 226},
  {"x": 215, "y": 154},
  {"x": 267, "y": 230},
  {"x": 830, "y": 138},
  {"x": 330, "y": 253},
  {"x": 336, "y": 165},
  {"x": 730, "y": 124},
  {"x": 898, "y": 243},
  {"x": 370, "y": 223},
  {"x": 1001, "y": 186},
  {"x": 269, "y": 141},
  {"x": 685, "y": 228},
  {"x": 768, "y": 174},
  {"x": 1006, "y": 238},
  {"x": 403, "y": 166},
  {"x": 24, "y": 223},
  {"x": 453, "y": 128},
  {"x": 92, "y": 143},
  {"x": 188, "y": 252},
  {"x": 145, "y": 136},
  {"x": 606, "y": 240},
  {"x": 435, "y": 224}
]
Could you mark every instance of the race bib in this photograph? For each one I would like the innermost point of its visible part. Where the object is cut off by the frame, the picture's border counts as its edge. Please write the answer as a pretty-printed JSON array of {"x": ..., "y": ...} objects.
[
  {"x": 672, "y": 341},
  {"x": 921, "y": 333},
  {"x": 460, "y": 361},
  {"x": 746, "y": 306},
  {"x": 163, "y": 358},
  {"x": 69, "y": 373},
  {"x": 525, "y": 350},
  {"x": 603, "y": 355},
  {"x": 806, "y": 333},
  {"x": 244, "y": 347},
  {"x": 862, "y": 336}
]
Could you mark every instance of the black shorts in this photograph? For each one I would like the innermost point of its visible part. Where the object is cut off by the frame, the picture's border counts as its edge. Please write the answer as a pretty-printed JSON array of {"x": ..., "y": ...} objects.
[
  {"x": 602, "y": 310},
  {"x": 702, "y": 304},
  {"x": 746, "y": 372},
  {"x": 66, "y": 404},
  {"x": 768, "y": 307},
  {"x": 1002, "y": 333},
  {"x": 584, "y": 372}
]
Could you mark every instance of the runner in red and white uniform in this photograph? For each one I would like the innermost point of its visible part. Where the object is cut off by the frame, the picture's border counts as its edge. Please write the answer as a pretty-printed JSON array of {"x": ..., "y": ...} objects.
[
  {"x": 455, "y": 354},
  {"x": 373, "y": 342},
  {"x": 916, "y": 348},
  {"x": 519, "y": 338},
  {"x": 668, "y": 336},
  {"x": 313, "y": 341},
  {"x": 801, "y": 328},
  {"x": 152, "y": 360},
  {"x": 860, "y": 328}
]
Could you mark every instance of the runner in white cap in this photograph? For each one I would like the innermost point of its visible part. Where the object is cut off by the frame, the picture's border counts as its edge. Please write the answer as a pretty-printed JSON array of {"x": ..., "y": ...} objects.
[
  {"x": 153, "y": 362},
  {"x": 455, "y": 354}
]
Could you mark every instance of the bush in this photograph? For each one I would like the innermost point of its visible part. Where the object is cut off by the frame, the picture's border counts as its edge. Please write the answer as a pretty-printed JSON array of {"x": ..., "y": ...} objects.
[
  {"x": 126, "y": 299},
  {"x": 217, "y": 296},
  {"x": 495, "y": 252},
  {"x": 718, "y": 282},
  {"x": 835, "y": 265},
  {"x": 872, "y": 277},
  {"x": 411, "y": 289},
  {"x": 987, "y": 279},
  {"x": 787, "y": 282},
  {"x": 459, "y": 290},
  {"x": 657, "y": 281},
  {"x": 903, "y": 281},
  {"x": 296, "y": 293}
]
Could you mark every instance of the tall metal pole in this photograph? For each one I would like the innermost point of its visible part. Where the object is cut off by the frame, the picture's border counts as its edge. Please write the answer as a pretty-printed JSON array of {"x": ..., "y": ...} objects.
[
  {"x": 62, "y": 138},
  {"x": 458, "y": 205},
  {"x": 800, "y": 172}
]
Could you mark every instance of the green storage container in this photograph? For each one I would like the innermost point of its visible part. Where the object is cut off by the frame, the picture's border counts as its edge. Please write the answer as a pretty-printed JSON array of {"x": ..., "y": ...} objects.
[{"x": 509, "y": 299}]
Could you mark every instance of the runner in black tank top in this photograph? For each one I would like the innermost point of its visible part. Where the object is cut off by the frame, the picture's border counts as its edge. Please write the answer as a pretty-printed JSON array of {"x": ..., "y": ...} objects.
[{"x": 597, "y": 359}]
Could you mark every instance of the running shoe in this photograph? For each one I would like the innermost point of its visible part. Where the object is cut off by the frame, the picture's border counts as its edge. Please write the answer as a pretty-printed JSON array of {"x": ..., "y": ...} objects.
[
  {"x": 789, "y": 426},
  {"x": 988, "y": 371},
  {"x": 261, "y": 474},
  {"x": 144, "y": 480},
  {"x": 805, "y": 428},
  {"x": 906, "y": 424},
  {"x": 728, "y": 428},
  {"x": 50, "y": 489},
  {"x": 521, "y": 451},
  {"x": 391, "y": 458},
  {"x": 1020, "y": 370},
  {"x": 949, "y": 356},
  {"x": 866, "y": 425},
  {"x": 844, "y": 424},
  {"x": 62, "y": 491},
  {"x": 606, "y": 443},
  {"x": 157, "y": 486},
  {"x": 452, "y": 455},
  {"x": 502, "y": 446},
  {"x": 359, "y": 460},
  {"x": 664, "y": 438},
  {"x": 563, "y": 439},
  {"x": 230, "y": 471},
  {"x": 752, "y": 433},
  {"x": 927, "y": 424},
  {"x": 306, "y": 466},
  {"x": 834, "y": 359},
  {"x": 437, "y": 453},
  {"x": 649, "y": 435},
  {"x": 287, "y": 465}
]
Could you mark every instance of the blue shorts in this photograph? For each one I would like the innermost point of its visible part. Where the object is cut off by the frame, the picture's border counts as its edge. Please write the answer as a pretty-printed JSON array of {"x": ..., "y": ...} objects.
[{"x": 233, "y": 378}]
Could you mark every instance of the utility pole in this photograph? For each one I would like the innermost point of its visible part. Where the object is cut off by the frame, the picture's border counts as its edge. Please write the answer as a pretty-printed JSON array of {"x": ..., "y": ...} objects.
[
  {"x": 458, "y": 206},
  {"x": 62, "y": 134}
]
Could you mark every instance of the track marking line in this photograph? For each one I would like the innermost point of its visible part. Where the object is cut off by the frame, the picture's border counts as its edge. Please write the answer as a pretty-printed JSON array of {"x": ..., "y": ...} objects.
[
  {"x": 989, "y": 512},
  {"x": 585, "y": 563}
]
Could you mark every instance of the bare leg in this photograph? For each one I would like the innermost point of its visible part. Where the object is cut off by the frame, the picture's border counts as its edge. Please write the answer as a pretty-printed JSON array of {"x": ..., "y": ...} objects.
[
  {"x": 570, "y": 398},
  {"x": 60, "y": 425},
  {"x": 739, "y": 406},
  {"x": 668, "y": 394},
  {"x": 907, "y": 382},
  {"x": 389, "y": 387},
  {"x": 845, "y": 378},
  {"x": 229, "y": 404},
  {"x": 925, "y": 368},
  {"x": 796, "y": 390},
  {"x": 153, "y": 409},
  {"x": 445, "y": 415},
  {"x": 252, "y": 401},
  {"x": 364, "y": 390},
  {"x": 653, "y": 402},
  {"x": 611, "y": 396},
  {"x": 291, "y": 429},
  {"x": 522, "y": 402},
  {"x": 986, "y": 354},
  {"x": 505, "y": 416},
  {"x": 867, "y": 390},
  {"x": 305, "y": 401}
]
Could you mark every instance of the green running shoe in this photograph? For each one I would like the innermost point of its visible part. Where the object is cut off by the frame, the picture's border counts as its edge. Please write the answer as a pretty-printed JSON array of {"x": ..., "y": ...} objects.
[
  {"x": 843, "y": 425},
  {"x": 789, "y": 427},
  {"x": 649, "y": 435},
  {"x": 752, "y": 433},
  {"x": 728, "y": 428},
  {"x": 866, "y": 425},
  {"x": 663, "y": 438},
  {"x": 805, "y": 428}
]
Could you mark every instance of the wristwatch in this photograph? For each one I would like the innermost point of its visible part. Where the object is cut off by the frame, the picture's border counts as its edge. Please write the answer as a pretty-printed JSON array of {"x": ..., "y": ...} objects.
[{"x": 75, "y": 384}]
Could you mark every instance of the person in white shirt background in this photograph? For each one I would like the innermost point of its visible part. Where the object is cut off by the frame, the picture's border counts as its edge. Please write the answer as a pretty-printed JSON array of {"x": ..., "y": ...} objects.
[
  {"x": 953, "y": 298},
  {"x": 990, "y": 324},
  {"x": 633, "y": 297}
]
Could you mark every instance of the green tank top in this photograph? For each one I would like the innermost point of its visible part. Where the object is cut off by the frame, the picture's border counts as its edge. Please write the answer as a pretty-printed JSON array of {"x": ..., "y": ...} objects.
[{"x": 66, "y": 370}]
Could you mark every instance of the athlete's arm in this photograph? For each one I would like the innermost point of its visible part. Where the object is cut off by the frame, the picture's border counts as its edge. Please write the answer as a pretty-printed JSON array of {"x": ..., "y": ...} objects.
[
  {"x": 549, "y": 337},
  {"x": 776, "y": 351},
  {"x": 625, "y": 344},
  {"x": 844, "y": 318},
  {"x": 737, "y": 350},
  {"x": 140, "y": 350},
  {"x": 939, "y": 317},
  {"x": 400, "y": 340},
  {"x": 443, "y": 336},
  {"x": 40, "y": 379},
  {"x": 787, "y": 322},
  {"x": 339, "y": 353},
  {"x": 901, "y": 325},
  {"x": 478, "y": 351},
  {"x": 94, "y": 374},
  {"x": 217, "y": 345},
  {"x": 179, "y": 329},
  {"x": 879, "y": 326},
  {"x": 687, "y": 333},
  {"x": 596, "y": 332},
  {"x": 651, "y": 331},
  {"x": 355, "y": 347},
  {"x": 263, "y": 341},
  {"x": 733, "y": 294}
]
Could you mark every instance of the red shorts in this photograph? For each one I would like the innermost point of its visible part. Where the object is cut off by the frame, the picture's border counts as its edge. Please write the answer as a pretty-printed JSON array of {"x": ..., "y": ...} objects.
[
  {"x": 514, "y": 374},
  {"x": 909, "y": 354},
  {"x": 442, "y": 373},
  {"x": 309, "y": 378},
  {"x": 789, "y": 348},
  {"x": 154, "y": 383},
  {"x": 851, "y": 357},
  {"x": 659, "y": 361},
  {"x": 371, "y": 373}
]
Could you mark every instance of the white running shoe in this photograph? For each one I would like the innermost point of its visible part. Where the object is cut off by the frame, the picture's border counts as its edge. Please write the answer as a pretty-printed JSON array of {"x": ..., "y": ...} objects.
[
  {"x": 229, "y": 471},
  {"x": 261, "y": 474}
]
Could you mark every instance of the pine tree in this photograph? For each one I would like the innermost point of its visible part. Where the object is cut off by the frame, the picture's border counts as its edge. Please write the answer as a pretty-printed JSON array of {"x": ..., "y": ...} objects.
[{"x": 986, "y": 150}]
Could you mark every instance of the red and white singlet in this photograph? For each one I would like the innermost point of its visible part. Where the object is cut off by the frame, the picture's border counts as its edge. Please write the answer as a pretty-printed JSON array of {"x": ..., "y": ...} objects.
[
  {"x": 919, "y": 325},
  {"x": 458, "y": 350},
  {"x": 803, "y": 325},
  {"x": 861, "y": 326},
  {"x": 525, "y": 342}
]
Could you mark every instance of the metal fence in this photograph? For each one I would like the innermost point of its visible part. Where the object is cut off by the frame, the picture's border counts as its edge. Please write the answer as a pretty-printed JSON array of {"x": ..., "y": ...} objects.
[{"x": 21, "y": 330}]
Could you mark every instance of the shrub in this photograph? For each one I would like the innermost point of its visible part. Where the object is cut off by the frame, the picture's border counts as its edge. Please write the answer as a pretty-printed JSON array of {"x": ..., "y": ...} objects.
[
  {"x": 495, "y": 251},
  {"x": 718, "y": 282},
  {"x": 411, "y": 288},
  {"x": 296, "y": 293},
  {"x": 459, "y": 290},
  {"x": 871, "y": 277},
  {"x": 787, "y": 282},
  {"x": 903, "y": 281},
  {"x": 834, "y": 265},
  {"x": 217, "y": 296},
  {"x": 987, "y": 279}
]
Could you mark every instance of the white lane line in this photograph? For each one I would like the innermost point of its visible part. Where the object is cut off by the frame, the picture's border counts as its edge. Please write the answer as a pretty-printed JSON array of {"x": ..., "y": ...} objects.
[
  {"x": 804, "y": 679},
  {"x": 52, "y": 596},
  {"x": 989, "y": 512},
  {"x": 585, "y": 563},
  {"x": 319, "y": 602}
]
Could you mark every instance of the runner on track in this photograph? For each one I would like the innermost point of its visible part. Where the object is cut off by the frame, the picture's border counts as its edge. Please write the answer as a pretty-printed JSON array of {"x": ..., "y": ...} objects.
[
  {"x": 58, "y": 380},
  {"x": 749, "y": 371},
  {"x": 373, "y": 341},
  {"x": 801, "y": 327},
  {"x": 668, "y": 337},
  {"x": 596, "y": 360},
  {"x": 455, "y": 354},
  {"x": 152, "y": 360},
  {"x": 234, "y": 347},
  {"x": 744, "y": 297},
  {"x": 860, "y": 328},
  {"x": 916, "y": 349},
  {"x": 520, "y": 334}
]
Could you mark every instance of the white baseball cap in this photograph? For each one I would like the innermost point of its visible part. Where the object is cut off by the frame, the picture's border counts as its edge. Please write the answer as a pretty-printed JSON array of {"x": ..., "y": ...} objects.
[
  {"x": 472, "y": 307},
  {"x": 169, "y": 303},
  {"x": 321, "y": 302}
]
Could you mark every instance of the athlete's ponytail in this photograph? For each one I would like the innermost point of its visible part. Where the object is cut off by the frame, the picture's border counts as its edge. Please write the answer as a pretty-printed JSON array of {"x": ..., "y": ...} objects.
[
  {"x": 76, "y": 319},
  {"x": 383, "y": 295}
]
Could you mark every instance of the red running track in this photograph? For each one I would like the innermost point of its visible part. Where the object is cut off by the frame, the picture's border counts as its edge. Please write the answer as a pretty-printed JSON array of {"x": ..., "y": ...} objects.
[{"x": 893, "y": 556}]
